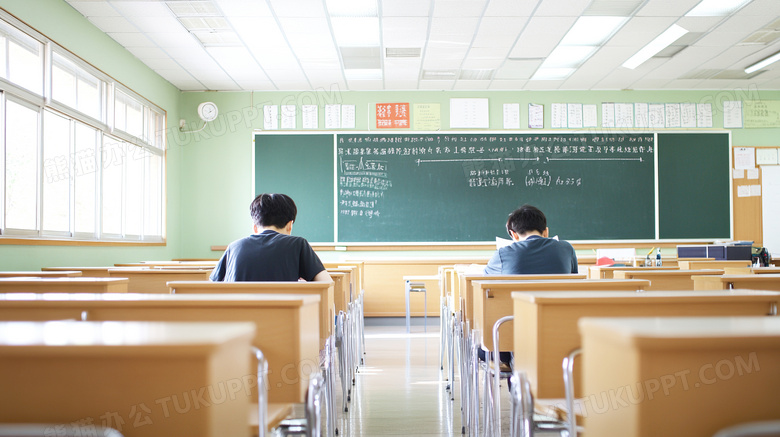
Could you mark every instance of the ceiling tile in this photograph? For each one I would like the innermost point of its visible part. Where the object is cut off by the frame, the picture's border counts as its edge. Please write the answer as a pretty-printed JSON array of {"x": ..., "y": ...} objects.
[
  {"x": 458, "y": 8},
  {"x": 404, "y": 32},
  {"x": 406, "y": 8},
  {"x": 510, "y": 8},
  {"x": 497, "y": 84},
  {"x": 561, "y": 8},
  {"x": 113, "y": 24},
  {"x": 299, "y": 8},
  {"x": 444, "y": 85},
  {"x": 541, "y": 36},
  {"x": 666, "y": 8},
  {"x": 132, "y": 39},
  {"x": 242, "y": 8}
]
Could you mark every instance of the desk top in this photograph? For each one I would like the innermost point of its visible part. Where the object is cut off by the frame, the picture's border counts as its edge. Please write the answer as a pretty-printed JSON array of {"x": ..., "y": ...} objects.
[
  {"x": 64, "y": 280},
  {"x": 768, "y": 277},
  {"x": 600, "y": 297},
  {"x": 41, "y": 274},
  {"x": 674, "y": 272},
  {"x": 486, "y": 277},
  {"x": 573, "y": 284},
  {"x": 64, "y": 337},
  {"x": 245, "y": 285},
  {"x": 688, "y": 332},
  {"x": 155, "y": 271},
  {"x": 158, "y": 300}
]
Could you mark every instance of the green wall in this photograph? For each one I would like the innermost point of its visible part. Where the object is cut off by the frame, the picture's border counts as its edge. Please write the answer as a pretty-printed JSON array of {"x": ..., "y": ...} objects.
[
  {"x": 64, "y": 25},
  {"x": 219, "y": 161},
  {"x": 209, "y": 174}
]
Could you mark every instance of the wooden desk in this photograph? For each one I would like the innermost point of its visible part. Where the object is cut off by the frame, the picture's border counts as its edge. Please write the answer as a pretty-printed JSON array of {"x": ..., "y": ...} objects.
[
  {"x": 467, "y": 285},
  {"x": 358, "y": 272},
  {"x": 751, "y": 270},
  {"x": 608, "y": 272},
  {"x": 493, "y": 300},
  {"x": 717, "y": 264},
  {"x": 63, "y": 285},
  {"x": 204, "y": 263},
  {"x": 341, "y": 288},
  {"x": 286, "y": 325},
  {"x": 93, "y": 272},
  {"x": 697, "y": 375},
  {"x": 665, "y": 279},
  {"x": 546, "y": 322},
  {"x": 724, "y": 282},
  {"x": 384, "y": 284},
  {"x": 146, "y": 280},
  {"x": 324, "y": 290},
  {"x": 127, "y": 374},
  {"x": 34, "y": 274}
]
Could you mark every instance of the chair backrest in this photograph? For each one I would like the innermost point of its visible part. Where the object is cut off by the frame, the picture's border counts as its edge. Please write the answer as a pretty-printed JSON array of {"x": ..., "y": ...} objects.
[
  {"x": 45, "y": 429},
  {"x": 752, "y": 429}
]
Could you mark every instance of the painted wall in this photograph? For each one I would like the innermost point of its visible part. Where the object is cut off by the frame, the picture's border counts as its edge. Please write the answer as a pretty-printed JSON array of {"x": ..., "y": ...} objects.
[
  {"x": 217, "y": 183},
  {"x": 64, "y": 25}
]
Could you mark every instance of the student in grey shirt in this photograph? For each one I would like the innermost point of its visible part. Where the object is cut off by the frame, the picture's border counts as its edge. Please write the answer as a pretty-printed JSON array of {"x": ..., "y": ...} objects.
[{"x": 271, "y": 253}]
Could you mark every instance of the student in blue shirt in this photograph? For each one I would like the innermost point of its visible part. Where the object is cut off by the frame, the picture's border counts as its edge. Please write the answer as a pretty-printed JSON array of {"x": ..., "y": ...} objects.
[
  {"x": 531, "y": 252},
  {"x": 271, "y": 253}
]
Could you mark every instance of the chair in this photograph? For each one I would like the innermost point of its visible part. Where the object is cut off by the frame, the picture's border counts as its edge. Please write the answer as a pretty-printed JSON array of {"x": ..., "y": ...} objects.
[
  {"x": 416, "y": 287},
  {"x": 523, "y": 422},
  {"x": 46, "y": 429},
  {"x": 492, "y": 411},
  {"x": 752, "y": 429}
]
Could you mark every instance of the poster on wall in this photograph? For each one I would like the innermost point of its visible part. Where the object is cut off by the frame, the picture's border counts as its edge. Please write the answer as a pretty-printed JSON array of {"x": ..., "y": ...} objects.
[{"x": 392, "y": 116}]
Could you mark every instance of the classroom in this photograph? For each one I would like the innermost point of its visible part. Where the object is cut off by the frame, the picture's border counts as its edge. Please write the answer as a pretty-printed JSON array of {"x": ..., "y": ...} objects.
[{"x": 135, "y": 134}]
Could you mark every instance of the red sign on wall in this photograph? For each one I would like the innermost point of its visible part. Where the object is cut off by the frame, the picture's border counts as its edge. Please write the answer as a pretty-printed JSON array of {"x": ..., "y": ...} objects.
[{"x": 392, "y": 115}]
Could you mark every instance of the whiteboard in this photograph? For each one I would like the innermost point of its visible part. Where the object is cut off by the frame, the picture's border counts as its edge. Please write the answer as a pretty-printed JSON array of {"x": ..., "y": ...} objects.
[{"x": 770, "y": 208}]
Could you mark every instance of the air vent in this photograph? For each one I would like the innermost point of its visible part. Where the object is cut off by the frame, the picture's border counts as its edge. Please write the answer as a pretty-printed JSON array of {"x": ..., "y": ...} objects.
[
  {"x": 762, "y": 37},
  {"x": 736, "y": 75},
  {"x": 402, "y": 52},
  {"x": 439, "y": 74},
  {"x": 479, "y": 74},
  {"x": 361, "y": 57}
]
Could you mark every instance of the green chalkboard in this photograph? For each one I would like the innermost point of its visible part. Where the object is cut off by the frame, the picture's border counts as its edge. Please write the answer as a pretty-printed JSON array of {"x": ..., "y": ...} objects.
[
  {"x": 460, "y": 187},
  {"x": 300, "y": 166},
  {"x": 693, "y": 186}
]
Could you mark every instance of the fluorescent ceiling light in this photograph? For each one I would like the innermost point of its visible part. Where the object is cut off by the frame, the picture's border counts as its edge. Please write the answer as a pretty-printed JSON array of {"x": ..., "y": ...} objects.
[
  {"x": 352, "y": 32},
  {"x": 363, "y": 74},
  {"x": 592, "y": 31},
  {"x": 763, "y": 63},
  {"x": 352, "y": 8},
  {"x": 716, "y": 8},
  {"x": 662, "y": 41},
  {"x": 552, "y": 73},
  {"x": 568, "y": 56}
]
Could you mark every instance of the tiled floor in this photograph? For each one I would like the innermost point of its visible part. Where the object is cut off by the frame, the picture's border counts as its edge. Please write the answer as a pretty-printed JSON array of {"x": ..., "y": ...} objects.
[{"x": 400, "y": 389}]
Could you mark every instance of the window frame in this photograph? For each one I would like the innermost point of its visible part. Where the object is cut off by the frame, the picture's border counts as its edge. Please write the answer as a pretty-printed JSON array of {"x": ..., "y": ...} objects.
[{"x": 104, "y": 129}]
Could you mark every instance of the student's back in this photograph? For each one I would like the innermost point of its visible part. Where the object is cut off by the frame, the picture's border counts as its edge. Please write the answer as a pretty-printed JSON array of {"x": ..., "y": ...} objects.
[
  {"x": 534, "y": 255},
  {"x": 268, "y": 256}
]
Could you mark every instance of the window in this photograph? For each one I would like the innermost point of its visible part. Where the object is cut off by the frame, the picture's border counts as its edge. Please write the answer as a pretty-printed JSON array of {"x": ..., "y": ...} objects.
[
  {"x": 73, "y": 86},
  {"x": 21, "y": 166},
  {"x": 56, "y": 169},
  {"x": 22, "y": 58},
  {"x": 128, "y": 115},
  {"x": 83, "y": 157}
]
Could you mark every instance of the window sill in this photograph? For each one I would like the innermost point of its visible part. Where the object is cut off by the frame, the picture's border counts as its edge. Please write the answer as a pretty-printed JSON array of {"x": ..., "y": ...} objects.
[{"x": 22, "y": 241}]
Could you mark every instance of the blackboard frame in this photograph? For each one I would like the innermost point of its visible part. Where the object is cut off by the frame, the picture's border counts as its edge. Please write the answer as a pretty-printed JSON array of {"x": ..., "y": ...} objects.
[{"x": 330, "y": 221}]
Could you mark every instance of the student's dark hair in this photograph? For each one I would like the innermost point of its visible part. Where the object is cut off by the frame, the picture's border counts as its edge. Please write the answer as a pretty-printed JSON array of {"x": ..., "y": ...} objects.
[
  {"x": 526, "y": 218},
  {"x": 273, "y": 210}
]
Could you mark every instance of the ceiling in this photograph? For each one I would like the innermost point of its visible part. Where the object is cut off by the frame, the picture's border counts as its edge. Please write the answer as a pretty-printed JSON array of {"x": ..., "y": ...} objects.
[{"x": 234, "y": 45}]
